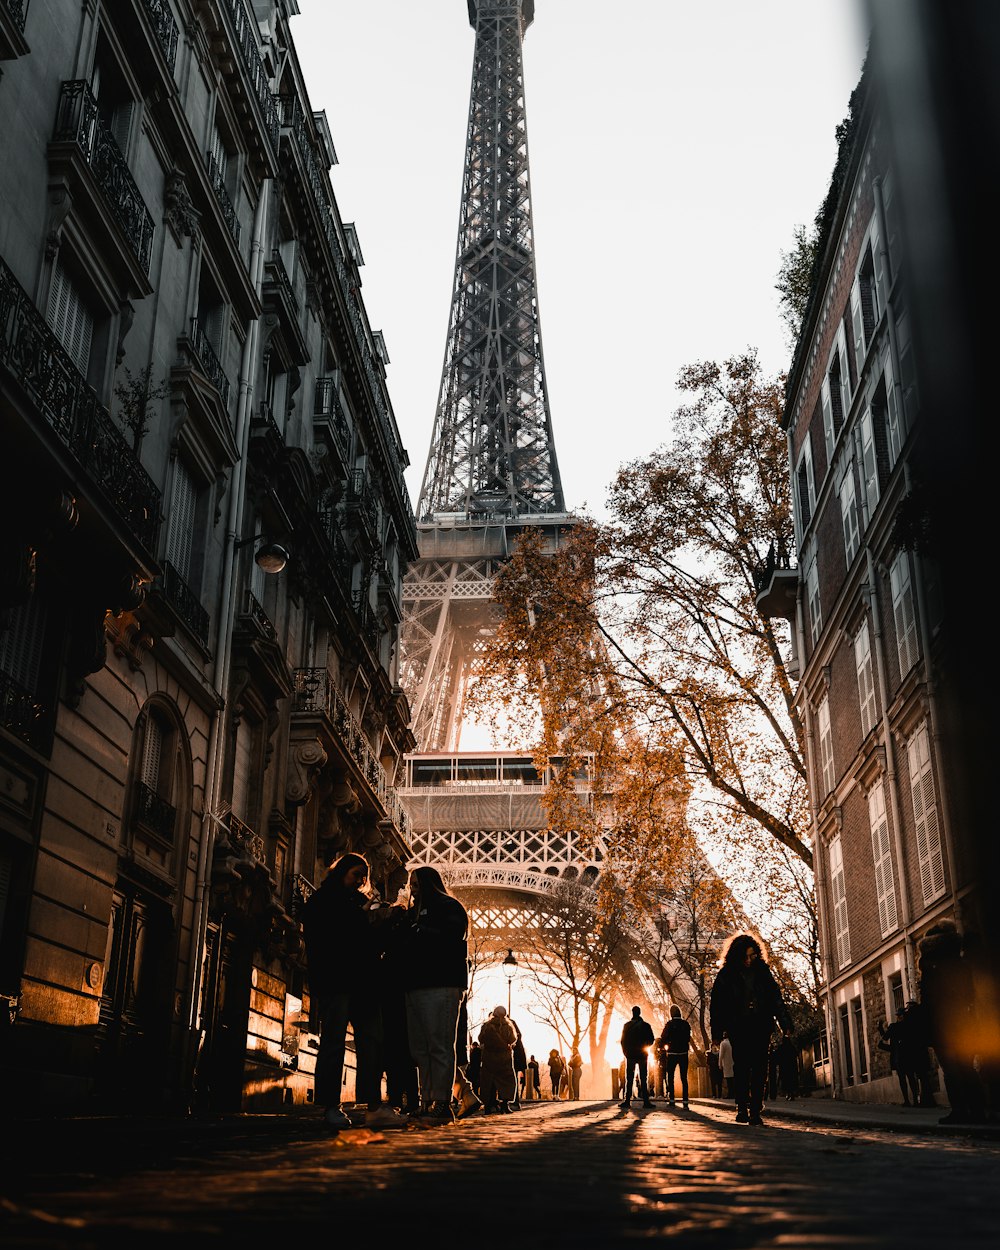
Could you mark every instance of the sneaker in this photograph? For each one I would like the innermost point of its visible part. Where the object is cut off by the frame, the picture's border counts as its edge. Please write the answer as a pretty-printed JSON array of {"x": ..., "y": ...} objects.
[
  {"x": 440, "y": 1113},
  {"x": 384, "y": 1117},
  {"x": 755, "y": 1119},
  {"x": 336, "y": 1118},
  {"x": 742, "y": 1117},
  {"x": 625, "y": 1103},
  {"x": 470, "y": 1103},
  {"x": 647, "y": 1103}
]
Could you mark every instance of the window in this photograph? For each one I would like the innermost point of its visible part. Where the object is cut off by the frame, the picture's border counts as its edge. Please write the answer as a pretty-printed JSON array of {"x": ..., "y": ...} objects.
[
  {"x": 889, "y": 411},
  {"x": 925, "y": 815},
  {"x": 867, "y": 295},
  {"x": 827, "y": 776},
  {"x": 885, "y": 889},
  {"x": 849, "y": 514},
  {"x": 895, "y": 995},
  {"x": 70, "y": 318},
  {"x": 806, "y": 481},
  {"x": 866, "y": 678},
  {"x": 904, "y": 613},
  {"x": 838, "y": 893},
  {"x": 859, "y": 1041},
  {"x": 154, "y": 809},
  {"x": 844, "y": 1013},
  {"x": 181, "y": 519},
  {"x": 812, "y": 598},
  {"x": 21, "y": 645},
  {"x": 835, "y": 393},
  {"x": 869, "y": 463}
]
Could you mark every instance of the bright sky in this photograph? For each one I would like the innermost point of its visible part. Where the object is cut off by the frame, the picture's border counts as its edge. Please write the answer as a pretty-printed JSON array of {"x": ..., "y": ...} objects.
[{"x": 674, "y": 146}]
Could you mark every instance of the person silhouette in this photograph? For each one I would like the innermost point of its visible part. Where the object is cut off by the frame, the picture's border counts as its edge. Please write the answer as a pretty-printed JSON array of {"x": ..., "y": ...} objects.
[
  {"x": 637, "y": 1037},
  {"x": 745, "y": 1003},
  {"x": 676, "y": 1039}
]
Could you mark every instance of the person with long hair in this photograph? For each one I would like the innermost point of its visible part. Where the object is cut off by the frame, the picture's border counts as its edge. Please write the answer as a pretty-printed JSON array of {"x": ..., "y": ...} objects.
[
  {"x": 437, "y": 978},
  {"x": 745, "y": 1003},
  {"x": 343, "y": 953}
]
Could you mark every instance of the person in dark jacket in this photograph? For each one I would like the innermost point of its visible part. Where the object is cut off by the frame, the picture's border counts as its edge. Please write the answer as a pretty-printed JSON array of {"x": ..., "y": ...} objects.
[
  {"x": 437, "y": 978},
  {"x": 676, "y": 1039},
  {"x": 892, "y": 1039},
  {"x": 637, "y": 1037},
  {"x": 343, "y": 953},
  {"x": 745, "y": 1003},
  {"x": 520, "y": 1064},
  {"x": 948, "y": 998}
]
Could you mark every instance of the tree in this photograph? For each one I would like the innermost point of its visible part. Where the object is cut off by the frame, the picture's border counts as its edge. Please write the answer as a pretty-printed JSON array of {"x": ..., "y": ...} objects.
[
  {"x": 636, "y": 649},
  {"x": 794, "y": 283}
]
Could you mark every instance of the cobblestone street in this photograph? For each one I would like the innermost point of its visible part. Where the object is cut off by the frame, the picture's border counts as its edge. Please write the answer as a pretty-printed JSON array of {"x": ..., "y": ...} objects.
[{"x": 576, "y": 1174}]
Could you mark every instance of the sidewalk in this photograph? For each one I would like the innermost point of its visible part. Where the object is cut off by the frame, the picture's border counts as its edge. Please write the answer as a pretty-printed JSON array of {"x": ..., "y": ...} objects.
[{"x": 892, "y": 1117}]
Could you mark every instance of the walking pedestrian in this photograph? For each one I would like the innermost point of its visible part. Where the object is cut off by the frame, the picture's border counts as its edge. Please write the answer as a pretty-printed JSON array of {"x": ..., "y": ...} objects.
[
  {"x": 475, "y": 1062},
  {"x": 556, "y": 1069},
  {"x": 437, "y": 980},
  {"x": 498, "y": 1080},
  {"x": 726, "y": 1066},
  {"x": 343, "y": 956},
  {"x": 637, "y": 1037},
  {"x": 745, "y": 1003},
  {"x": 676, "y": 1039}
]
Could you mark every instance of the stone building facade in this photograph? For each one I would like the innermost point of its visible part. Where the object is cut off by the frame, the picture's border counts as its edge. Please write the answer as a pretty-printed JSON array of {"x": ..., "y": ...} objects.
[
  {"x": 867, "y": 612},
  {"x": 205, "y": 528}
]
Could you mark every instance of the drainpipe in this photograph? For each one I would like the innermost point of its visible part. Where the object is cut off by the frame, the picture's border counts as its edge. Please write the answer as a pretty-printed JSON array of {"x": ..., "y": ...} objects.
[{"x": 223, "y": 648}]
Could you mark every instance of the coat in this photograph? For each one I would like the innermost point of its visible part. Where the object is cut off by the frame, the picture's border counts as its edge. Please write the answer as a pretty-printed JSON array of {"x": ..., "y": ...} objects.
[
  {"x": 637, "y": 1037},
  {"x": 343, "y": 946},
  {"x": 496, "y": 1043},
  {"x": 747, "y": 1005},
  {"x": 726, "y": 1058}
]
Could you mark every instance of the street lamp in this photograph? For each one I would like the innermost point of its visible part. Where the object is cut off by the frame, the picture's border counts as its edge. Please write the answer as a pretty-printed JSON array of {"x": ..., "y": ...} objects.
[{"x": 509, "y": 968}]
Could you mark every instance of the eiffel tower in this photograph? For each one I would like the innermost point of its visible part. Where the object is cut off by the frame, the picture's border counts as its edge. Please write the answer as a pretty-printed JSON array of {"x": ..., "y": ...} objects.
[{"x": 491, "y": 473}]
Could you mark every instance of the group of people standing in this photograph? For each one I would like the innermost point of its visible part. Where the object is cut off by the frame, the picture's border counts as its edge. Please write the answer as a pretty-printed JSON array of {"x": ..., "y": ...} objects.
[{"x": 398, "y": 975}]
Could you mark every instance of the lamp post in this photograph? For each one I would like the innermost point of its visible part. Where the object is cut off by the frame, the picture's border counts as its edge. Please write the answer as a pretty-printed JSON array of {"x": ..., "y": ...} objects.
[{"x": 509, "y": 968}]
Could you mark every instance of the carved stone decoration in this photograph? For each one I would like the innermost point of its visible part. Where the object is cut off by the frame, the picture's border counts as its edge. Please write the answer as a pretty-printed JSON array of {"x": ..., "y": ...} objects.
[
  {"x": 126, "y": 315},
  {"x": 305, "y": 763},
  {"x": 129, "y": 638},
  {"x": 60, "y": 203},
  {"x": 178, "y": 211}
]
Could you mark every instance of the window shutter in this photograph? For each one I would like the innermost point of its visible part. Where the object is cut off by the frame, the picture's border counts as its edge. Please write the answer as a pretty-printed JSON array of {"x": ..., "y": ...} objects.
[
  {"x": 827, "y": 405},
  {"x": 904, "y": 613},
  {"x": 69, "y": 318},
  {"x": 813, "y": 600},
  {"x": 878, "y": 272},
  {"x": 849, "y": 514},
  {"x": 925, "y": 816},
  {"x": 893, "y": 433},
  {"x": 869, "y": 463},
  {"x": 838, "y": 891},
  {"x": 826, "y": 748},
  {"x": 845, "y": 373},
  {"x": 885, "y": 888},
  {"x": 152, "y": 753},
  {"x": 181, "y": 520},
  {"x": 866, "y": 678},
  {"x": 21, "y": 644},
  {"x": 858, "y": 324}
]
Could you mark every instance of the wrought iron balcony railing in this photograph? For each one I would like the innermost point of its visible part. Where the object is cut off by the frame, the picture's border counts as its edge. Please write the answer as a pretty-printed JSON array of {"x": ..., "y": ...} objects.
[
  {"x": 164, "y": 27},
  {"x": 209, "y": 361},
  {"x": 78, "y": 121},
  {"x": 23, "y": 715},
  {"x": 328, "y": 406},
  {"x": 246, "y": 40},
  {"x": 222, "y": 196},
  {"x": 43, "y": 368},
  {"x": 18, "y": 10},
  {"x": 245, "y": 841},
  {"x": 315, "y": 692},
  {"x": 155, "y": 813},
  {"x": 184, "y": 602}
]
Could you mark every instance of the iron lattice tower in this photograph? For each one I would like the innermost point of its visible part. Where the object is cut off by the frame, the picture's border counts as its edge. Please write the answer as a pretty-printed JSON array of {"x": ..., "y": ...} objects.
[{"x": 492, "y": 465}]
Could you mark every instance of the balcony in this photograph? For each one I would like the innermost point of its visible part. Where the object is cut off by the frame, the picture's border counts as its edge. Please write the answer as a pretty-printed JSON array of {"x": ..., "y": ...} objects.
[
  {"x": 38, "y": 361},
  {"x": 315, "y": 697},
  {"x": 279, "y": 300},
  {"x": 79, "y": 124},
  {"x": 777, "y": 586},
  {"x": 216, "y": 178},
  {"x": 362, "y": 505},
  {"x": 153, "y": 814},
  {"x": 330, "y": 418},
  {"x": 164, "y": 28},
  {"x": 12, "y": 41},
  {"x": 22, "y": 715},
  {"x": 210, "y": 364},
  {"x": 184, "y": 603}
]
